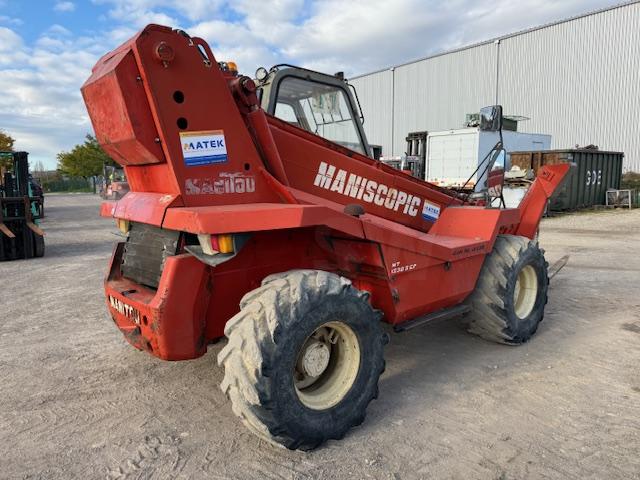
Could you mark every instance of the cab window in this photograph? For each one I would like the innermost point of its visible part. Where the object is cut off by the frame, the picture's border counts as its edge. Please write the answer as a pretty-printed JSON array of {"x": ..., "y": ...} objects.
[
  {"x": 319, "y": 108},
  {"x": 286, "y": 112}
]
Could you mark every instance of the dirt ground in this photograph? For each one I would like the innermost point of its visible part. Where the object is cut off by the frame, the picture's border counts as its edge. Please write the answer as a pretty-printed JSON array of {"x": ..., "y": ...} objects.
[{"x": 76, "y": 401}]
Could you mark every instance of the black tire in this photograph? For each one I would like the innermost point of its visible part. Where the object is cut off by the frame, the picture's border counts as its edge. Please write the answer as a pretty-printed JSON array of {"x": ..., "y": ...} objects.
[
  {"x": 493, "y": 316},
  {"x": 265, "y": 339},
  {"x": 38, "y": 245}
]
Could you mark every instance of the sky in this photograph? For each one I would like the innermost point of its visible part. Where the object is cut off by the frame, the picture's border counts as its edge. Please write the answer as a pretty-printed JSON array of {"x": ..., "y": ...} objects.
[{"x": 48, "y": 47}]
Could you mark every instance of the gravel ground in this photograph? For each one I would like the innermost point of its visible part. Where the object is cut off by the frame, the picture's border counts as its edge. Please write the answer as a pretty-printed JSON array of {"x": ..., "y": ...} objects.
[{"x": 76, "y": 401}]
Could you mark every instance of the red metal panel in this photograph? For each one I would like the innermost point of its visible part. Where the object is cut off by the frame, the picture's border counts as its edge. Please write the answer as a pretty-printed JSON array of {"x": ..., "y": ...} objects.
[
  {"x": 107, "y": 208},
  {"x": 351, "y": 254},
  {"x": 156, "y": 178},
  {"x": 476, "y": 223},
  {"x": 183, "y": 94},
  {"x": 444, "y": 247},
  {"x": 119, "y": 111},
  {"x": 265, "y": 253},
  {"x": 207, "y": 105},
  {"x": 144, "y": 207},
  {"x": 170, "y": 322},
  {"x": 535, "y": 201},
  {"x": 256, "y": 217},
  {"x": 381, "y": 191},
  {"x": 433, "y": 288},
  {"x": 429, "y": 190}
]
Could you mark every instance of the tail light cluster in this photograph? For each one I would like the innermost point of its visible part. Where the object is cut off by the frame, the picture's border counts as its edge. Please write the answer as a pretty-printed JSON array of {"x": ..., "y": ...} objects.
[
  {"x": 213, "y": 244},
  {"x": 123, "y": 225}
]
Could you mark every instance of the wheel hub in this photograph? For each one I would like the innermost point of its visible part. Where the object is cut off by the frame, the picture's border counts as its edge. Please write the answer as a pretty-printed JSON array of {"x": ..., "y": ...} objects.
[
  {"x": 327, "y": 365},
  {"x": 315, "y": 359},
  {"x": 525, "y": 291}
]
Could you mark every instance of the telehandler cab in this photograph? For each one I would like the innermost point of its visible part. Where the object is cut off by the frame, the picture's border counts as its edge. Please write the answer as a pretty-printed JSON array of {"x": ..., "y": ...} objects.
[{"x": 256, "y": 213}]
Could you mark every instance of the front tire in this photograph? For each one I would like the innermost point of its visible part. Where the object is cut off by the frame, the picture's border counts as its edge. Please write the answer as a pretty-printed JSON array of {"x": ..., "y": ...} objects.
[
  {"x": 304, "y": 357},
  {"x": 511, "y": 292}
]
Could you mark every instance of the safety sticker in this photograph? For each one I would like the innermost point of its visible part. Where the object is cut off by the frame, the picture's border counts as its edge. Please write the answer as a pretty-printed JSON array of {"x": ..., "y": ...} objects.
[
  {"x": 430, "y": 211},
  {"x": 203, "y": 147}
]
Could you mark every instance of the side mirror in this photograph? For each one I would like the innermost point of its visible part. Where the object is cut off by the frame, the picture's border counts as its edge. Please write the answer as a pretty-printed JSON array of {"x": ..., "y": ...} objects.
[{"x": 491, "y": 118}]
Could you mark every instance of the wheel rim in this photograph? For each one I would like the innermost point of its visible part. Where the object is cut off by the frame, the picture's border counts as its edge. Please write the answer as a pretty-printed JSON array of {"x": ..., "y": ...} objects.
[
  {"x": 327, "y": 365},
  {"x": 525, "y": 292}
]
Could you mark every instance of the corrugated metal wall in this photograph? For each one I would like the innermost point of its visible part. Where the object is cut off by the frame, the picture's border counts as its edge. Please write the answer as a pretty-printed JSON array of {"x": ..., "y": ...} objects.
[
  {"x": 375, "y": 92},
  {"x": 578, "y": 81},
  {"x": 441, "y": 91}
]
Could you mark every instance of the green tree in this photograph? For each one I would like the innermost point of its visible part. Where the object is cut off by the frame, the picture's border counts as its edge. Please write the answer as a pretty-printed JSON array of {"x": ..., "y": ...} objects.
[
  {"x": 6, "y": 145},
  {"x": 84, "y": 160},
  {"x": 6, "y": 142}
]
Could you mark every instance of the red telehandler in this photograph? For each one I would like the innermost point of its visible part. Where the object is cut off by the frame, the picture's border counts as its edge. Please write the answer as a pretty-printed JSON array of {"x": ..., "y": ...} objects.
[{"x": 256, "y": 213}]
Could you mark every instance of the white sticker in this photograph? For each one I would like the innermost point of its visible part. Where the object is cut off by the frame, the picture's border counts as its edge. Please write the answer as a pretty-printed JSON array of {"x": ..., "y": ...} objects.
[
  {"x": 430, "y": 211},
  {"x": 203, "y": 147}
]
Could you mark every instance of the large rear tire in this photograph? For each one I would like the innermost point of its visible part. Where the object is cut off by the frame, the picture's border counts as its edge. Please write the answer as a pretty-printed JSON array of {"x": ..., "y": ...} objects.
[
  {"x": 511, "y": 292},
  {"x": 304, "y": 357}
]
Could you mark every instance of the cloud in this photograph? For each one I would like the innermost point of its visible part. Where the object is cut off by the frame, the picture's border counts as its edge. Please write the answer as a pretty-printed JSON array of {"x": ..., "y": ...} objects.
[
  {"x": 10, "y": 20},
  {"x": 235, "y": 42},
  {"x": 64, "y": 7},
  {"x": 139, "y": 10},
  {"x": 9, "y": 40},
  {"x": 11, "y": 48},
  {"x": 56, "y": 29},
  {"x": 41, "y": 105}
]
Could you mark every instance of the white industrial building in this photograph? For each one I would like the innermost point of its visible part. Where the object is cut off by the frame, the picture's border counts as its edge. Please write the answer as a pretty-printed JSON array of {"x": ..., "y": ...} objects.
[{"x": 577, "y": 80}]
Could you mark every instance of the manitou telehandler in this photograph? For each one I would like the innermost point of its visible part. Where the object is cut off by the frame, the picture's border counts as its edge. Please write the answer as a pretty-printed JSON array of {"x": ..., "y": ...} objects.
[{"x": 256, "y": 213}]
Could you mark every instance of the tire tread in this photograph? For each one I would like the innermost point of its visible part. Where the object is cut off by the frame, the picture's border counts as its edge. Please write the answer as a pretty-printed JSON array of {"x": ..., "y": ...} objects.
[
  {"x": 489, "y": 318},
  {"x": 254, "y": 330}
]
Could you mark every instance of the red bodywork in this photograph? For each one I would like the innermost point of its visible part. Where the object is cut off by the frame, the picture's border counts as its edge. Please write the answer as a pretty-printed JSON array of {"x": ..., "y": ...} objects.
[{"x": 281, "y": 184}]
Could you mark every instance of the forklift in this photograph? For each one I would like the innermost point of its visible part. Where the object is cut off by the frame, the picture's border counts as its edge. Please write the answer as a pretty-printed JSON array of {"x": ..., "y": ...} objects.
[
  {"x": 114, "y": 184},
  {"x": 20, "y": 211}
]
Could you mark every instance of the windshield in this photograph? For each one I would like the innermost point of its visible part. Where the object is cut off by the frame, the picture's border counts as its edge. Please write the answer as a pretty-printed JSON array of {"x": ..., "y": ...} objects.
[{"x": 319, "y": 108}]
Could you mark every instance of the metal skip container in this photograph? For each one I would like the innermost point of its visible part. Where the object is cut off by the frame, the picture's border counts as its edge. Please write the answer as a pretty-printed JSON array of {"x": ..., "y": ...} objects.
[{"x": 586, "y": 184}]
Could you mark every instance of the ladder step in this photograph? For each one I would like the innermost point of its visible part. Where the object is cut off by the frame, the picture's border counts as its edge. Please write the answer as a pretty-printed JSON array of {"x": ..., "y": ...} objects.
[{"x": 443, "y": 314}]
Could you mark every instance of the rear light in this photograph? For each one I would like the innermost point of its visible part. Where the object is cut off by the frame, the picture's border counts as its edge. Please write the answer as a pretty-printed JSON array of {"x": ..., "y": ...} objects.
[
  {"x": 123, "y": 225},
  {"x": 213, "y": 244}
]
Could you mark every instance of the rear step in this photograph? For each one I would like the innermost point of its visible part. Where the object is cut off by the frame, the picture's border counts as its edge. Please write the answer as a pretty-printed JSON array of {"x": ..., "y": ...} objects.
[{"x": 443, "y": 314}]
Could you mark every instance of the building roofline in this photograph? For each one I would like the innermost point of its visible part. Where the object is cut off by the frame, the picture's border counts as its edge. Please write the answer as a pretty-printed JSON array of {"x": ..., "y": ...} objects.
[{"x": 499, "y": 39}]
